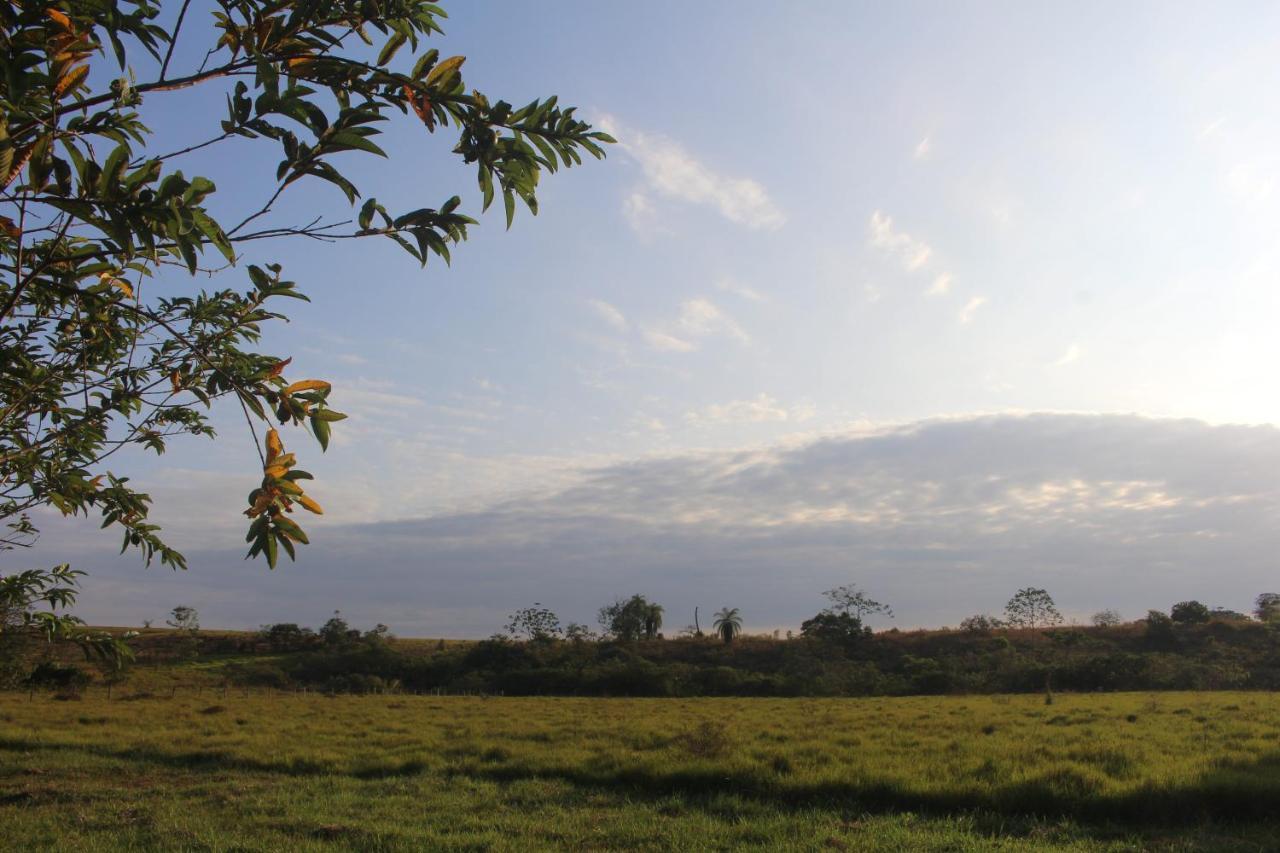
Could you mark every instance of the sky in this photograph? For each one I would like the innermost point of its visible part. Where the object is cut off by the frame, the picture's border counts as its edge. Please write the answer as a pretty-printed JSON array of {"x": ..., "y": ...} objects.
[{"x": 941, "y": 300}]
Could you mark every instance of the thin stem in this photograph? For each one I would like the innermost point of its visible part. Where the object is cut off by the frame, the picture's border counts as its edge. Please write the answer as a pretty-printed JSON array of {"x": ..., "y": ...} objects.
[{"x": 173, "y": 40}]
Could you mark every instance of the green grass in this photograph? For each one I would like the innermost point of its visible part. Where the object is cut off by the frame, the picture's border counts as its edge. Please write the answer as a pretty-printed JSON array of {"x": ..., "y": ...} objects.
[{"x": 1170, "y": 771}]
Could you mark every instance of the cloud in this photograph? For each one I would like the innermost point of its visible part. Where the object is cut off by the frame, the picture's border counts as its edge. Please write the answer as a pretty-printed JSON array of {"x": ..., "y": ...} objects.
[
  {"x": 941, "y": 285},
  {"x": 664, "y": 342},
  {"x": 941, "y": 518},
  {"x": 1072, "y": 354},
  {"x": 641, "y": 215},
  {"x": 912, "y": 253},
  {"x": 970, "y": 308},
  {"x": 699, "y": 318},
  {"x": 672, "y": 172},
  {"x": 737, "y": 288},
  {"x": 702, "y": 318},
  {"x": 609, "y": 314},
  {"x": 759, "y": 409}
]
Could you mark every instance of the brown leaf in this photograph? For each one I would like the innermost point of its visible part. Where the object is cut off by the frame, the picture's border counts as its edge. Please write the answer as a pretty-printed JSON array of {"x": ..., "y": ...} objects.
[{"x": 60, "y": 19}]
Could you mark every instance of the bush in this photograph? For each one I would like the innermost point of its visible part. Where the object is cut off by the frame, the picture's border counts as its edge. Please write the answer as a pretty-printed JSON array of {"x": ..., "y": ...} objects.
[
  {"x": 52, "y": 676},
  {"x": 709, "y": 740}
]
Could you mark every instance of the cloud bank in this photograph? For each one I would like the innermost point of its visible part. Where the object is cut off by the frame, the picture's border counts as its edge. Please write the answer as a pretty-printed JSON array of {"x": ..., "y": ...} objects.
[{"x": 941, "y": 518}]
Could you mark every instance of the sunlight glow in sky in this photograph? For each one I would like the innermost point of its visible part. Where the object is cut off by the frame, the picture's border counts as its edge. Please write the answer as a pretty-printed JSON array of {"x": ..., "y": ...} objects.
[{"x": 700, "y": 373}]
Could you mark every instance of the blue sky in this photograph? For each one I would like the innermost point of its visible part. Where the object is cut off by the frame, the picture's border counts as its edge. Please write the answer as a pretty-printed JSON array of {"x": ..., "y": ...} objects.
[{"x": 848, "y": 263}]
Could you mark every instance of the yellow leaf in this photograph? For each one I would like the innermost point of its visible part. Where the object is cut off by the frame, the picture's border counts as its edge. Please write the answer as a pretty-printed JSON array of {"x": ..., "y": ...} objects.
[
  {"x": 445, "y": 69},
  {"x": 310, "y": 504},
  {"x": 274, "y": 445},
  {"x": 308, "y": 385},
  {"x": 276, "y": 470},
  {"x": 176, "y": 379},
  {"x": 73, "y": 78},
  {"x": 118, "y": 283}
]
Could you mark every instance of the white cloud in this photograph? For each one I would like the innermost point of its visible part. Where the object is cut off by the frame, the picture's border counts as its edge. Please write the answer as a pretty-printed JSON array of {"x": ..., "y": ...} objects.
[
  {"x": 351, "y": 358},
  {"x": 941, "y": 285},
  {"x": 609, "y": 313},
  {"x": 923, "y": 147},
  {"x": 970, "y": 308},
  {"x": 1211, "y": 128},
  {"x": 759, "y": 409},
  {"x": 702, "y": 318},
  {"x": 699, "y": 318},
  {"x": 671, "y": 171},
  {"x": 737, "y": 288},
  {"x": 638, "y": 210},
  {"x": 664, "y": 342},
  {"x": 911, "y": 252},
  {"x": 1072, "y": 354}
]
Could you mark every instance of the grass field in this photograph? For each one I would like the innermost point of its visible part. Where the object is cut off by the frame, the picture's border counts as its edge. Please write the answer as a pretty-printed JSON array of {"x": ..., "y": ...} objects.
[{"x": 1172, "y": 771}]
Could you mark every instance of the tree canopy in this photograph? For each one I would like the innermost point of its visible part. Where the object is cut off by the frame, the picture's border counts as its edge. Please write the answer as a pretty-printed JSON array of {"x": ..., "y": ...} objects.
[
  {"x": 99, "y": 350},
  {"x": 1031, "y": 608}
]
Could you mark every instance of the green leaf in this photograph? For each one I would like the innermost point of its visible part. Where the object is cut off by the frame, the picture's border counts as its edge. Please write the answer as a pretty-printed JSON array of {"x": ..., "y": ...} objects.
[
  {"x": 389, "y": 49},
  {"x": 320, "y": 427}
]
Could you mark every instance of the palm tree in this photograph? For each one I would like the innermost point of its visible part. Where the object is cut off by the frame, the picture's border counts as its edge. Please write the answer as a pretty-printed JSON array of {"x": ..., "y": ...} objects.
[
  {"x": 728, "y": 624},
  {"x": 652, "y": 621}
]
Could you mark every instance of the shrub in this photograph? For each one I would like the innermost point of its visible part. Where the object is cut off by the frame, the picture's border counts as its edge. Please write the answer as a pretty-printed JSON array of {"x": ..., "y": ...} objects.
[
  {"x": 709, "y": 740},
  {"x": 52, "y": 676}
]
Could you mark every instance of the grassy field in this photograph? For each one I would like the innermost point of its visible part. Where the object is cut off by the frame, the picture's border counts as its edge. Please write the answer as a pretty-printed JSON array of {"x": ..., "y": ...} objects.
[{"x": 1172, "y": 771}]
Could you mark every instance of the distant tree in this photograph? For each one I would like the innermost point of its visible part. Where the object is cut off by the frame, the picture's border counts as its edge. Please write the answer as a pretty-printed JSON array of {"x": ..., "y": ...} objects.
[
  {"x": 534, "y": 623},
  {"x": 652, "y": 621},
  {"x": 286, "y": 636},
  {"x": 1106, "y": 618},
  {"x": 728, "y": 624},
  {"x": 1267, "y": 607},
  {"x": 837, "y": 628},
  {"x": 1189, "y": 613},
  {"x": 336, "y": 631},
  {"x": 627, "y": 618},
  {"x": 578, "y": 633},
  {"x": 980, "y": 623},
  {"x": 1160, "y": 627},
  {"x": 1031, "y": 608},
  {"x": 186, "y": 622},
  {"x": 1224, "y": 614},
  {"x": 850, "y": 599},
  {"x": 184, "y": 619}
]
